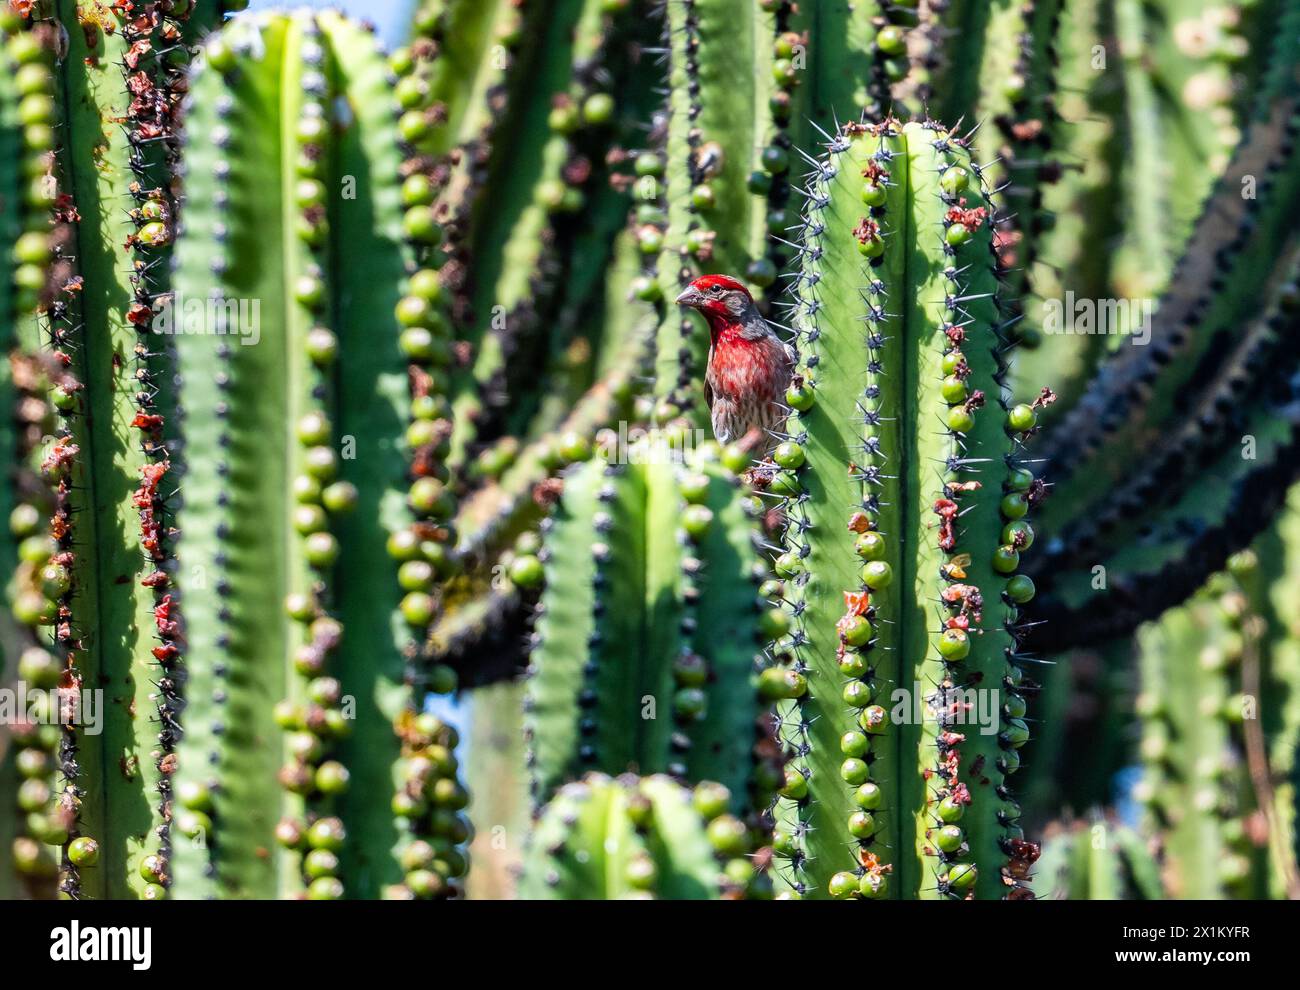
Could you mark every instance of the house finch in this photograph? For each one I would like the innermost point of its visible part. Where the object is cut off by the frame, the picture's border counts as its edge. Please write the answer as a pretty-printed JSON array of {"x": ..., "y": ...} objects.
[{"x": 749, "y": 366}]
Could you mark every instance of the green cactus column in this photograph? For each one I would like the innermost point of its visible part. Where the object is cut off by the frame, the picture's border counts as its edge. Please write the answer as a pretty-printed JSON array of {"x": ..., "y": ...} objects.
[
  {"x": 726, "y": 168},
  {"x": 29, "y": 861},
  {"x": 313, "y": 429},
  {"x": 100, "y": 220},
  {"x": 905, "y": 501},
  {"x": 646, "y": 634},
  {"x": 628, "y": 837}
]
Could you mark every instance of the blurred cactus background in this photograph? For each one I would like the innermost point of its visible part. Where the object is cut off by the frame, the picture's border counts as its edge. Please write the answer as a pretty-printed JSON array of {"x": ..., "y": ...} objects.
[{"x": 367, "y": 536}]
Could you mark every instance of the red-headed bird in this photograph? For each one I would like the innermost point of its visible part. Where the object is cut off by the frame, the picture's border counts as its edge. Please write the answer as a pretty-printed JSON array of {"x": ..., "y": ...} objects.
[{"x": 749, "y": 365}]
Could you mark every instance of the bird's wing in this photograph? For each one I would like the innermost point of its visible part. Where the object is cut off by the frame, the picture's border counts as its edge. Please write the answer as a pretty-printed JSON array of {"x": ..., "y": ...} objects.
[{"x": 708, "y": 387}]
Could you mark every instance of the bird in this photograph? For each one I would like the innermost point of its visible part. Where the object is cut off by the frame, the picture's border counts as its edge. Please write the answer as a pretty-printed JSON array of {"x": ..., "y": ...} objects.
[{"x": 749, "y": 366}]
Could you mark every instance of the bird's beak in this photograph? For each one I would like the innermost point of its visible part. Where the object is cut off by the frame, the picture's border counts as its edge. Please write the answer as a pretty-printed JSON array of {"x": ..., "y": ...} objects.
[{"x": 690, "y": 297}]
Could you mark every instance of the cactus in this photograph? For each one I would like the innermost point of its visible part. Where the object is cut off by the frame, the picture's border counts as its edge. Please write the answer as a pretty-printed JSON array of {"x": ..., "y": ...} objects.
[
  {"x": 1218, "y": 742},
  {"x": 1097, "y": 860},
  {"x": 651, "y": 581},
  {"x": 355, "y": 745},
  {"x": 897, "y": 453},
  {"x": 607, "y": 839},
  {"x": 273, "y": 535}
]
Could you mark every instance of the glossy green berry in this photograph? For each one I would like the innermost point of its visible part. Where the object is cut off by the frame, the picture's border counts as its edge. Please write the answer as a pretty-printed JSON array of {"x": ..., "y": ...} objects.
[
  {"x": 153, "y": 868},
  {"x": 954, "y": 180},
  {"x": 320, "y": 863},
  {"x": 874, "y": 886},
  {"x": 874, "y": 194},
  {"x": 958, "y": 234},
  {"x": 421, "y": 226},
  {"x": 703, "y": 197},
  {"x": 862, "y": 825},
  {"x": 1014, "y": 705},
  {"x": 854, "y": 771},
  {"x": 33, "y": 795},
  {"x": 1014, "y": 506},
  {"x": 598, "y": 109},
  {"x": 870, "y": 545},
  {"x": 799, "y": 396},
  {"x": 689, "y": 703},
  {"x": 332, "y": 778},
  {"x": 526, "y": 571},
  {"x": 954, "y": 645},
  {"x": 417, "y": 608},
  {"x": 340, "y": 497},
  {"x": 325, "y": 889},
  {"x": 326, "y": 833},
  {"x": 948, "y": 838},
  {"x": 891, "y": 39},
  {"x": 961, "y": 877},
  {"x": 869, "y": 796},
  {"x": 877, "y": 574},
  {"x": 842, "y": 885},
  {"x": 950, "y": 811},
  {"x": 856, "y": 631},
  {"x": 194, "y": 795},
  {"x": 788, "y": 564},
  {"x": 873, "y": 720},
  {"x": 1021, "y": 418},
  {"x": 728, "y": 835},
  {"x": 796, "y": 785},
  {"x": 775, "y": 160},
  {"x": 852, "y": 664},
  {"x": 1005, "y": 560},
  {"x": 1015, "y": 733},
  {"x": 1020, "y": 589},
  {"x": 872, "y": 247},
  {"x": 322, "y": 346},
  {"x": 960, "y": 419},
  {"x": 1018, "y": 534},
  {"x": 774, "y": 623},
  {"x": 1009, "y": 761},
  {"x": 649, "y": 163},
  {"x": 1020, "y": 480},
  {"x": 854, "y": 743},
  {"x": 696, "y": 520},
  {"x": 776, "y": 683},
  {"x": 83, "y": 851},
  {"x": 953, "y": 390},
  {"x": 857, "y": 694},
  {"x": 711, "y": 799}
]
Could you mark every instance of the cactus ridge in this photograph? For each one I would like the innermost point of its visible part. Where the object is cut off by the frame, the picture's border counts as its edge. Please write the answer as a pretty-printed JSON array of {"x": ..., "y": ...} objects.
[
  {"x": 610, "y": 838},
  {"x": 349, "y": 514},
  {"x": 1096, "y": 860},
  {"x": 30, "y": 494},
  {"x": 1201, "y": 367},
  {"x": 523, "y": 250},
  {"x": 1017, "y": 86},
  {"x": 622, "y": 627},
  {"x": 153, "y": 70},
  {"x": 1137, "y": 380},
  {"x": 892, "y": 244}
]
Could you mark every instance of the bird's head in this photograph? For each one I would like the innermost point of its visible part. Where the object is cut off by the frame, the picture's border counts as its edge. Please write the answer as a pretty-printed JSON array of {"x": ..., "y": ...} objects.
[{"x": 721, "y": 300}]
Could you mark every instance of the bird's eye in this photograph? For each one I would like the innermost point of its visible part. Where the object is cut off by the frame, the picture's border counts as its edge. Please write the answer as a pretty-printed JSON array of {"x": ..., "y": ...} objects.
[{"x": 716, "y": 290}]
